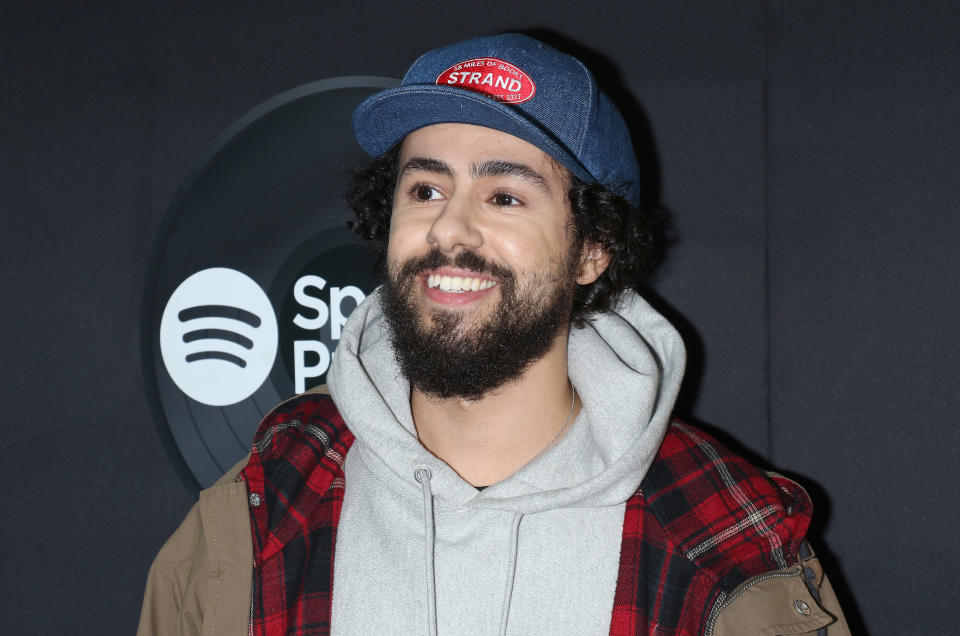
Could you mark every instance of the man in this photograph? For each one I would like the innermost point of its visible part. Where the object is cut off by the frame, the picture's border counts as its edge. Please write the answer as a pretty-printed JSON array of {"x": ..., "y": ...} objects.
[{"x": 498, "y": 455}]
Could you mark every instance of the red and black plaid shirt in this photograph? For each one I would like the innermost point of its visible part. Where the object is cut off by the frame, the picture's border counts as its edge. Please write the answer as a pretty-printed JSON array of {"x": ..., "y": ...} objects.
[{"x": 703, "y": 522}]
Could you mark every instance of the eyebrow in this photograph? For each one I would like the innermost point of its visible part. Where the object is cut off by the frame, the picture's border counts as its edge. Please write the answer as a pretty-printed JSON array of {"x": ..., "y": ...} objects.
[
  {"x": 426, "y": 164},
  {"x": 490, "y": 168},
  {"x": 500, "y": 168}
]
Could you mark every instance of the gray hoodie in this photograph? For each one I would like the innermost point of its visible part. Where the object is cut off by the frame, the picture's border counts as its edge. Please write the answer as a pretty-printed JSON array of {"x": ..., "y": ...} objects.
[{"x": 537, "y": 553}]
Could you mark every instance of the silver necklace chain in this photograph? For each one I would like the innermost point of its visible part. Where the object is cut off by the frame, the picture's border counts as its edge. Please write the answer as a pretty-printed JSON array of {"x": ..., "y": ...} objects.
[{"x": 566, "y": 422}]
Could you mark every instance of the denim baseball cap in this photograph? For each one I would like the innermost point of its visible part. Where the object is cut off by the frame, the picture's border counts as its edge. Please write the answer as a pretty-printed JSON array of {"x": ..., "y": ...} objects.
[{"x": 517, "y": 85}]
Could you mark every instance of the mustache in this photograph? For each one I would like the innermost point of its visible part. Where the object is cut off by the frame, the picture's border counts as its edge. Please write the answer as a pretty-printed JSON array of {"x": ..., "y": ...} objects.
[{"x": 466, "y": 259}]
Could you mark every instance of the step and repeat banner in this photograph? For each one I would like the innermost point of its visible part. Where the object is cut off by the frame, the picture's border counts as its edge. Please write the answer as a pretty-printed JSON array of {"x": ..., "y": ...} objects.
[{"x": 254, "y": 273}]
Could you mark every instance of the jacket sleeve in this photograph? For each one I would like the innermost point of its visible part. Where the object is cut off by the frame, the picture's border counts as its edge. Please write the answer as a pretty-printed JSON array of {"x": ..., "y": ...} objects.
[
  {"x": 200, "y": 581},
  {"x": 803, "y": 603},
  {"x": 173, "y": 602}
]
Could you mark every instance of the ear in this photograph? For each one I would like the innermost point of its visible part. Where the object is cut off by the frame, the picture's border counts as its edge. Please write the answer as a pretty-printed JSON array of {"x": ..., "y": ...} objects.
[{"x": 593, "y": 262}]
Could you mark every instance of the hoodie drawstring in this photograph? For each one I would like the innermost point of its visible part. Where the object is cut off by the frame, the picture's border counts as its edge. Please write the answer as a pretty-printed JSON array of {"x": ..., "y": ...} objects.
[
  {"x": 422, "y": 475},
  {"x": 511, "y": 572}
]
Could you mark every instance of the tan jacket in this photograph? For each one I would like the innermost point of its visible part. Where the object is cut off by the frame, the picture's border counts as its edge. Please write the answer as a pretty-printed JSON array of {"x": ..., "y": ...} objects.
[{"x": 200, "y": 582}]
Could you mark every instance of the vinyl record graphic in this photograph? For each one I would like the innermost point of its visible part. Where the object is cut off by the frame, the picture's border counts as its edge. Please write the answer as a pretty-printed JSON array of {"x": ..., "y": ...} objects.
[{"x": 253, "y": 274}]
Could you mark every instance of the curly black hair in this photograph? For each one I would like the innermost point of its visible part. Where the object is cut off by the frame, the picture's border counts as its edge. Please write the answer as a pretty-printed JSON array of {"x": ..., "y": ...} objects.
[{"x": 601, "y": 217}]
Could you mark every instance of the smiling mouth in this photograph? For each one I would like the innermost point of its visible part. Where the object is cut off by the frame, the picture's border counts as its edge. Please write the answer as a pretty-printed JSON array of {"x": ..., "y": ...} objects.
[{"x": 458, "y": 284}]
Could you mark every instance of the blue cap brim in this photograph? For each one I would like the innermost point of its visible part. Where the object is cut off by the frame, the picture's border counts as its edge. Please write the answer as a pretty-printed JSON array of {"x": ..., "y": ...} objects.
[{"x": 384, "y": 119}]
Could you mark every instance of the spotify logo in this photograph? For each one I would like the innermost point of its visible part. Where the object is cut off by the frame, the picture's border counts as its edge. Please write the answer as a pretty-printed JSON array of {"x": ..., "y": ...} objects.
[
  {"x": 253, "y": 274},
  {"x": 218, "y": 336}
]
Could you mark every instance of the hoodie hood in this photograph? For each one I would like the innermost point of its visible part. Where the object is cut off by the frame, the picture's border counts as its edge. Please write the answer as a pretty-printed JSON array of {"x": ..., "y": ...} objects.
[{"x": 626, "y": 364}]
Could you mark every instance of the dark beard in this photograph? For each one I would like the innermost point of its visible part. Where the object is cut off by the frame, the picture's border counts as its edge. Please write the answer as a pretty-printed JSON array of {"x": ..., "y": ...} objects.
[{"x": 445, "y": 359}]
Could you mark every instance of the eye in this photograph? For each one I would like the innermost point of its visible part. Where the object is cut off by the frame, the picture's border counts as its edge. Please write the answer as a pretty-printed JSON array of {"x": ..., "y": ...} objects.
[
  {"x": 424, "y": 192},
  {"x": 504, "y": 200}
]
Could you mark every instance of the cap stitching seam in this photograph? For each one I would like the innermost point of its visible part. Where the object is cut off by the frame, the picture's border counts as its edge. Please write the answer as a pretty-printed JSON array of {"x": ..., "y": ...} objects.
[{"x": 593, "y": 98}]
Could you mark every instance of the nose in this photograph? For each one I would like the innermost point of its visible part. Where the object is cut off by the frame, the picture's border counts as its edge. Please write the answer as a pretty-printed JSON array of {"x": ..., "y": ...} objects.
[{"x": 455, "y": 227}]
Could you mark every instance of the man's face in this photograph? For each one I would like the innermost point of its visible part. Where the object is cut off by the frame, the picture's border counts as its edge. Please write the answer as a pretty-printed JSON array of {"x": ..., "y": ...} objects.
[{"x": 481, "y": 259}]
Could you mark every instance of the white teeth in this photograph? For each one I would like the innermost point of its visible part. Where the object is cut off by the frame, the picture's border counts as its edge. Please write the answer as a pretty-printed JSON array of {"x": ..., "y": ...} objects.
[{"x": 458, "y": 284}]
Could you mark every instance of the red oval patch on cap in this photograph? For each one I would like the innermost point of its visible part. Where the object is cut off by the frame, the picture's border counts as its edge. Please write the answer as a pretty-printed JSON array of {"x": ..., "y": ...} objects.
[{"x": 492, "y": 77}]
